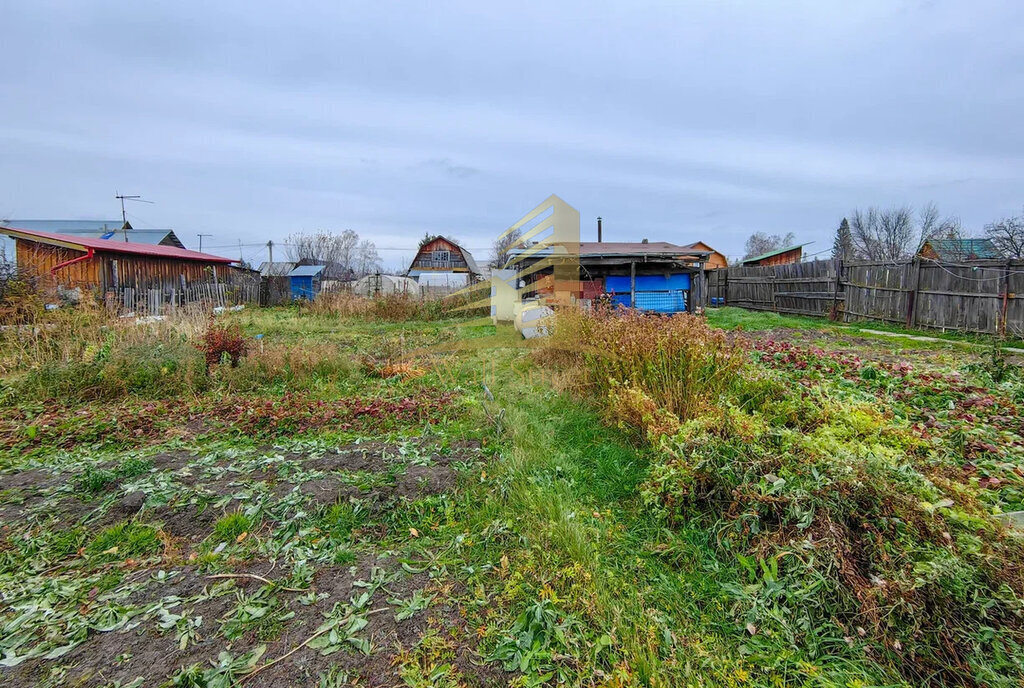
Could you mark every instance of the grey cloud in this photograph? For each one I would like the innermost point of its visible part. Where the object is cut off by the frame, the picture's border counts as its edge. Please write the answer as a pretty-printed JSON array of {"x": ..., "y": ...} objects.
[{"x": 679, "y": 121}]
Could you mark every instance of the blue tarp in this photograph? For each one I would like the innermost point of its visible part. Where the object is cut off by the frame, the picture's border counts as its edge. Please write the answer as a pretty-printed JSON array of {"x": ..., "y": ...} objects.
[{"x": 660, "y": 293}]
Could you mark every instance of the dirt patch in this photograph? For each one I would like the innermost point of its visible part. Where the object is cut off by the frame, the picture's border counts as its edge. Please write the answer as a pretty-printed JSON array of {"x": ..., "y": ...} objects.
[
  {"x": 353, "y": 457},
  {"x": 172, "y": 461},
  {"x": 328, "y": 490},
  {"x": 422, "y": 481},
  {"x": 186, "y": 523},
  {"x": 29, "y": 481}
]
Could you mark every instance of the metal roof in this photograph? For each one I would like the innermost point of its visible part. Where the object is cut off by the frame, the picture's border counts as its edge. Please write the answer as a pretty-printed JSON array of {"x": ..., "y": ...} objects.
[
  {"x": 80, "y": 243},
  {"x": 276, "y": 269},
  {"x": 100, "y": 229},
  {"x": 964, "y": 249},
  {"x": 636, "y": 248},
  {"x": 772, "y": 253},
  {"x": 620, "y": 249},
  {"x": 307, "y": 271}
]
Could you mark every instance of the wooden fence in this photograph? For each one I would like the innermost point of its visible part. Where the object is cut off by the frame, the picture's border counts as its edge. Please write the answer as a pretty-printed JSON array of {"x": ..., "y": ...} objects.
[
  {"x": 207, "y": 295},
  {"x": 979, "y": 296}
]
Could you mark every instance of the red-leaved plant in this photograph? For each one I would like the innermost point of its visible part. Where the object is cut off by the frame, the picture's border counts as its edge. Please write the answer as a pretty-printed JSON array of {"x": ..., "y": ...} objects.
[{"x": 219, "y": 340}]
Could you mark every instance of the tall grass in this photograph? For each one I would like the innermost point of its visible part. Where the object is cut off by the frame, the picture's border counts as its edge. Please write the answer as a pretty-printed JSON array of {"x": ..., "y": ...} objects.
[
  {"x": 390, "y": 307},
  {"x": 675, "y": 363},
  {"x": 86, "y": 355}
]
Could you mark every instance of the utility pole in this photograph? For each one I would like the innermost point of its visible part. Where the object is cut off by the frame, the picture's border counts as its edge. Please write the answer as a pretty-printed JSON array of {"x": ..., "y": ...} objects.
[
  {"x": 240, "y": 258},
  {"x": 201, "y": 240}
]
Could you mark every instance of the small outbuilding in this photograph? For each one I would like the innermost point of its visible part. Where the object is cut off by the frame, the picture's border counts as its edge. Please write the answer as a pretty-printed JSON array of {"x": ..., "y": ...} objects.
[
  {"x": 782, "y": 256},
  {"x": 305, "y": 281},
  {"x": 959, "y": 250},
  {"x": 652, "y": 276}
]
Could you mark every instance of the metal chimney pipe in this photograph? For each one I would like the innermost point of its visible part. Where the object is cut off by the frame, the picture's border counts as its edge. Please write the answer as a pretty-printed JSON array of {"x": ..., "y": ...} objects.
[{"x": 599, "y": 229}]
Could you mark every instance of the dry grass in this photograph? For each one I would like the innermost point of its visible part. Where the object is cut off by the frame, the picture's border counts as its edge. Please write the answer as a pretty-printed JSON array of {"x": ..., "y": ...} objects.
[{"x": 676, "y": 364}]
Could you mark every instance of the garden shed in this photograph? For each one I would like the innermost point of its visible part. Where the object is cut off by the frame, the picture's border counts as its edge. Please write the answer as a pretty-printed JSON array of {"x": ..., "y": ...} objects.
[
  {"x": 653, "y": 276},
  {"x": 305, "y": 281}
]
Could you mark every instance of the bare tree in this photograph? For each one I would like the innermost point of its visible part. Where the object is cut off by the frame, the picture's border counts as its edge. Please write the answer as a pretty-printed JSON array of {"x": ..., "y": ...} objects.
[
  {"x": 344, "y": 252},
  {"x": 761, "y": 242},
  {"x": 1008, "y": 236},
  {"x": 501, "y": 247},
  {"x": 934, "y": 226},
  {"x": 893, "y": 234}
]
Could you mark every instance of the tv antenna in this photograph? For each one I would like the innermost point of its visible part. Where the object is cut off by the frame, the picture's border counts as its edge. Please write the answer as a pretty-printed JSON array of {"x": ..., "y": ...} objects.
[{"x": 123, "y": 198}]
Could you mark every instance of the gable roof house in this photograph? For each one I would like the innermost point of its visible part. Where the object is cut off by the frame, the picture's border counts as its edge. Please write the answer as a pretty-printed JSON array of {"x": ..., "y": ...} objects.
[
  {"x": 958, "y": 250},
  {"x": 440, "y": 261},
  {"x": 69, "y": 262},
  {"x": 715, "y": 259}
]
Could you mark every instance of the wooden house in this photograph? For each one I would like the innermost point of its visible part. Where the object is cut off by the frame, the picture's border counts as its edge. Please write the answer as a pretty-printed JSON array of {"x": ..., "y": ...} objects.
[
  {"x": 126, "y": 269},
  {"x": 782, "y": 256},
  {"x": 442, "y": 262},
  {"x": 715, "y": 259},
  {"x": 959, "y": 250}
]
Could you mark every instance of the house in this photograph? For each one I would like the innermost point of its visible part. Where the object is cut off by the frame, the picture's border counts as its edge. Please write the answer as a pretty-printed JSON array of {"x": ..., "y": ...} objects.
[
  {"x": 716, "y": 259},
  {"x": 959, "y": 250},
  {"x": 782, "y": 256},
  {"x": 441, "y": 261},
  {"x": 305, "y": 281},
  {"x": 69, "y": 262},
  {"x": 113, "y": 230},
  {"x": 653, "y": 276}
]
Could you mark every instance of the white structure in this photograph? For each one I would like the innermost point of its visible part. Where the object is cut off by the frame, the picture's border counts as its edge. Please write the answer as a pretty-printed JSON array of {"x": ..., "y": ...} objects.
[{"x": 379, "y": 285}]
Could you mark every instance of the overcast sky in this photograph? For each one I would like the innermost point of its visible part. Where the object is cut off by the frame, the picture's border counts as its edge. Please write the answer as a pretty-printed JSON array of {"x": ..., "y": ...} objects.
[{"x": 675, "y": 121}]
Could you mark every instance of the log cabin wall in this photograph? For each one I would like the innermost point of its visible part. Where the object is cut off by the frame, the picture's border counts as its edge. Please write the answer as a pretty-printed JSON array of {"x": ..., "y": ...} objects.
[{"x": 105, "y": 271}]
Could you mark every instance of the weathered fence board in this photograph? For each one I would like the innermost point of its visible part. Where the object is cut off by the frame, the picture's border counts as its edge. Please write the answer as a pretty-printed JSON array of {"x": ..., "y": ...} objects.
[{"x": 979, "y": 296}]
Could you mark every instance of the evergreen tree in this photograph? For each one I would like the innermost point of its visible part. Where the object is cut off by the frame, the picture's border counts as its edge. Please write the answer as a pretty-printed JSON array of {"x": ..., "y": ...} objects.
[{"x": 842, "y": 245}]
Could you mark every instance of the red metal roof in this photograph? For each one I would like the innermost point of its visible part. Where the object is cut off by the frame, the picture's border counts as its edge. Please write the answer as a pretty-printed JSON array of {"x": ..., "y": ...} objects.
[{"x": 112, "y": 245}]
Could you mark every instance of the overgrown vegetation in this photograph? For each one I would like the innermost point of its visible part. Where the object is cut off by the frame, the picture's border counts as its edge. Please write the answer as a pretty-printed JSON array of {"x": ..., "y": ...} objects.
[
  {"x": 375, "y": 502},
  {"x": 848, "y": 495}
]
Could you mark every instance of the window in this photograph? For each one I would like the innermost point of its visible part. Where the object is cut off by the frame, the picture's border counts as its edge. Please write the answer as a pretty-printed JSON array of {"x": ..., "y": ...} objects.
[{"x": 441, "y": 256}]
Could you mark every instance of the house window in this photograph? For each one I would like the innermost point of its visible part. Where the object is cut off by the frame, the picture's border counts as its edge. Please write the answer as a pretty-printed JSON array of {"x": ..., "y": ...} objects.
[{"x": 442, "y": 256}]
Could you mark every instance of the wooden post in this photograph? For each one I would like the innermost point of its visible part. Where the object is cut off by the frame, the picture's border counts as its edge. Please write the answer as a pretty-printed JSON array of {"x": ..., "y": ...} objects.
[
  {"x": 838, "y": 262},
  {"x": 1006, "y": 299},
  {"x": 632, "y": 285},
  {"x": 915, "y": 279}
]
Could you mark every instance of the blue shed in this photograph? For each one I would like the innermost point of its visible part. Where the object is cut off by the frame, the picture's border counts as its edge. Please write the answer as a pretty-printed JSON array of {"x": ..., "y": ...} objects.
[
  {"x": 657, "y": 293},
  {"x": 305, "y": 281}
]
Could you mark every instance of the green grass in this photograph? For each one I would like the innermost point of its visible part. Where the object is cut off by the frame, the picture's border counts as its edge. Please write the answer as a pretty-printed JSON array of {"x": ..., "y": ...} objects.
[
  {"x": 577, "y": 550},
  {"x": 732, "y": 318},
  {"x": 231, "y": 526},
  {"x": 125, "y": 540}
]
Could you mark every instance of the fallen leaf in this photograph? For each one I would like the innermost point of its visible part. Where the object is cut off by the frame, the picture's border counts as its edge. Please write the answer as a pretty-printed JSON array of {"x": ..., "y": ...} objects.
[
  {"x": 504, "y": 564},
  {"x": 241, "y": 537},
  {"x": 751, "y": 629},
  {"x": 414, "y": 532}
]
